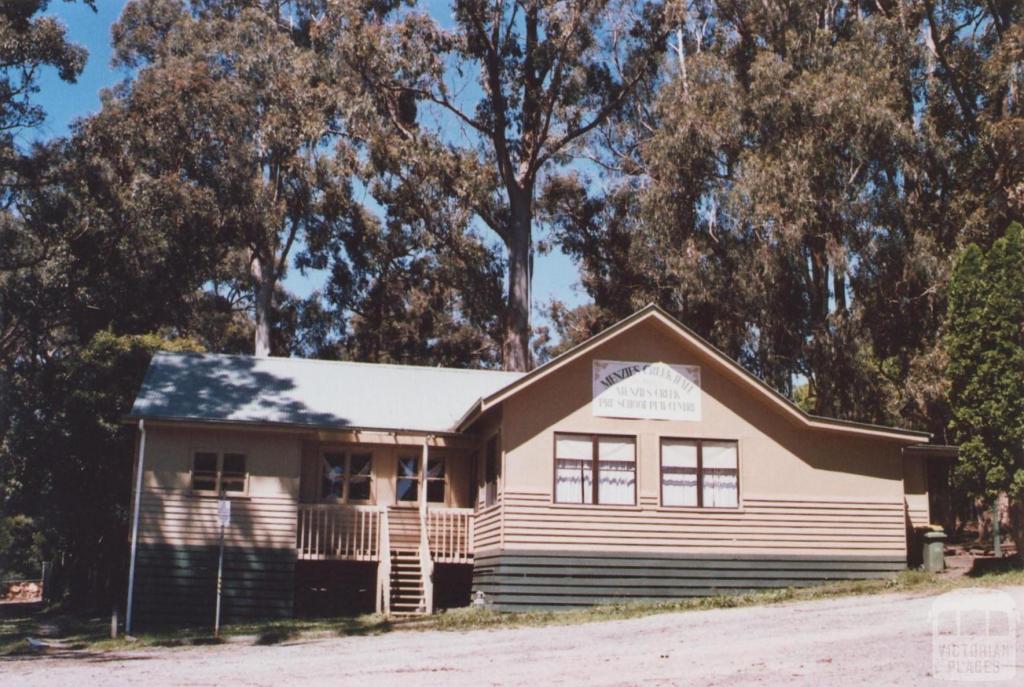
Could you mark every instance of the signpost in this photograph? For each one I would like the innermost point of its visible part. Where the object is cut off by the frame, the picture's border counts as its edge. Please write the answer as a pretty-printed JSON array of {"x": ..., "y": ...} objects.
[{"x": 223, "y": 519}]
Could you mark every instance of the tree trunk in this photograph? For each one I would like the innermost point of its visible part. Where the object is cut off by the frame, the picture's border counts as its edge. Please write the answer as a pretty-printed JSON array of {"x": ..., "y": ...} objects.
[
  {"x": 263, "y": 290},
  {"x": 516, "y": 346}
]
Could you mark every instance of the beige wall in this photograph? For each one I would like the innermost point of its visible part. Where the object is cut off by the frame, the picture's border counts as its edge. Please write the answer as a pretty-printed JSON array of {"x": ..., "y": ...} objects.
[
  {"x": 801, "y": 490},
  {"x": 915, "y": 478},
  {"x": 266, "y": 517},
  {"x": 284, "y": 470},
  {"x": 487, "y": 520}
]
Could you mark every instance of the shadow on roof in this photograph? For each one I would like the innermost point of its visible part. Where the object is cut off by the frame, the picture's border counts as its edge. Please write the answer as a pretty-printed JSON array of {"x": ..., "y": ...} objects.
[{"x": 230, "y": 388}]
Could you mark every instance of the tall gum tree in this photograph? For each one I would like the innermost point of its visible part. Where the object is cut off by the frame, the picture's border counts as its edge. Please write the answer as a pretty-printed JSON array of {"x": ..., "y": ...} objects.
[
  {"x": 513, "y": 88},
  {"x": 795, "y": 191},
  {"x": 226, "y": 98}
]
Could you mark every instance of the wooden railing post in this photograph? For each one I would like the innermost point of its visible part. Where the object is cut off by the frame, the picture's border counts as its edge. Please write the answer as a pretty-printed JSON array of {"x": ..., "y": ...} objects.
[{"x": 384, "y": 566}]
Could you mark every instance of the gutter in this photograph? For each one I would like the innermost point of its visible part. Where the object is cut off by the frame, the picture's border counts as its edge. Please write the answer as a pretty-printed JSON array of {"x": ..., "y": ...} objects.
[{"x": 283, "y": 426}]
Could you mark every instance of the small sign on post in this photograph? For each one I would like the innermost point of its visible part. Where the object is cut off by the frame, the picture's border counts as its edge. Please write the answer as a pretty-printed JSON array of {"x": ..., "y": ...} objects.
[
  {"x": 223, "y": 519},
  {"x": 223, "y": 512}
]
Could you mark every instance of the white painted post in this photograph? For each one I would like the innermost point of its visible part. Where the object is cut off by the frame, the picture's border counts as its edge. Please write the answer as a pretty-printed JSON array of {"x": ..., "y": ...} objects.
[
  {"x": 223, "y": 519},
  {"x": 220, "y": 583},
  {"x": 135, "y": 527},
  {"x": 423, "y": 482}
]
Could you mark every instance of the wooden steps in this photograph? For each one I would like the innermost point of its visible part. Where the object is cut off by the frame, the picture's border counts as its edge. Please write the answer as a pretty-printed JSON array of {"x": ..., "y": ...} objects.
[{"x": 407, "y": 594}]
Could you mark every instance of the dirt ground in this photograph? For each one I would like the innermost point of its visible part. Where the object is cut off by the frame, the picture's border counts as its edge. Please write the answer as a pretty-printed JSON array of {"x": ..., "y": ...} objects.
[{"x": 868, "y": 640}]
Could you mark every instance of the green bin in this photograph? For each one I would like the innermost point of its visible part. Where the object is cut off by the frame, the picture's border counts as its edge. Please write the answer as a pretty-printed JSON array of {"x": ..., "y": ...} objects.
[{"x": 933, "y": 549}]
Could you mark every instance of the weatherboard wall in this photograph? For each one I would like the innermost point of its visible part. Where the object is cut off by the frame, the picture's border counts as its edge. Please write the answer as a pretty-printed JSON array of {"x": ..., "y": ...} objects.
[
  {"x": 802, "y": 491},
  {"x": 915, "y": 482},
  {"x": 179, "y": 535}
]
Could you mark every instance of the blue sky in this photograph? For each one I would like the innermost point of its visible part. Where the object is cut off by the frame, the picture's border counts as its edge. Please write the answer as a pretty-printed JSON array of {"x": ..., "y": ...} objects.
[{"x": 555, "y": 274}]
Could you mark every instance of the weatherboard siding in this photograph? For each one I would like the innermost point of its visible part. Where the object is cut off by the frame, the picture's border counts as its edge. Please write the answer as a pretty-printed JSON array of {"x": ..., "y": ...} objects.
[
  {"x": 802, "y": 491},
  {"x": 550, "y": 579},
  {"x": 761, "y": 525},
  {"x": 916, "y": 491},
  {"x": 179, "y": 535},
  {"x": 487, "y": 528}
]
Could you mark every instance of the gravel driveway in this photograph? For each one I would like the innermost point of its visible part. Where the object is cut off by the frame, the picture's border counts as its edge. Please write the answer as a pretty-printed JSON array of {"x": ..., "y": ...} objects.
[{"x": 870, "y": 640}]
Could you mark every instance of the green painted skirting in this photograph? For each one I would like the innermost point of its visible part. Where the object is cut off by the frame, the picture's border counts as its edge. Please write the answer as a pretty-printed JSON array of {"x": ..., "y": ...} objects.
[
  {"x": 519, "y": 580},
  {"x": 176, "y": 585}
]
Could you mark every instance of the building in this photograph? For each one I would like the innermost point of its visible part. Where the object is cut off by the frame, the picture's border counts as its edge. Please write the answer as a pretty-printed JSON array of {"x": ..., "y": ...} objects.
[{"x": 641, "y": 464}]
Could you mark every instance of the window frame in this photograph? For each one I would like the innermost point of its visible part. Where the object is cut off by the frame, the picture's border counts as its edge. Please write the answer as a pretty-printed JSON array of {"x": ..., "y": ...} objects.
[
  {"x": 347, "y": 453},
  {"x": 699, "y": 441},
  {"x": 218, "y": 475},
  {"x": 418, "y": 477},
  {"x": 422, "y": 475},
  {"x": 595, "y": 468},
  {"x": 443, "y": 457}
]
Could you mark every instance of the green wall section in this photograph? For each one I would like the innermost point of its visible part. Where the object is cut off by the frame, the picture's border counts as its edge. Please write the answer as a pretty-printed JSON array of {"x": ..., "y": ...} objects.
[
  {"x": 176, "y": 585},
  {"x": 522, "y": 580}
]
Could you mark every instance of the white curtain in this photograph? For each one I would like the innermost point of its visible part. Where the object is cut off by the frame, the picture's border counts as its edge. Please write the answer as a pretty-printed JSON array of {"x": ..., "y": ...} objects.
[
  {"x": 573, "y": 478},
  {"x": 616, "y": 458},
  {"x": 678, "y": 473},
  {"x": 720, "y": 474},
  {"x": 574, "y": 482}
]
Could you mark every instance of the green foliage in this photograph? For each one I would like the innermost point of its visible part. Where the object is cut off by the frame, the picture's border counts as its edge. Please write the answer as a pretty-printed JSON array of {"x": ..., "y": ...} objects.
[
  {"x": 985, "y": 338},
  {"x": 797, "y": 184},
  {"x": 66, "y": 459},
  {"x": 478, "y": 114},
  {"x": 21, "y": 548},
  {"x": 29, "y": 41}
]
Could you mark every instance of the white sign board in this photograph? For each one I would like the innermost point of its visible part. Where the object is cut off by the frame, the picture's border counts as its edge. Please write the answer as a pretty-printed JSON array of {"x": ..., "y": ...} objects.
[
  {"x": 648, "y": 391},
  {"x": 223, "y": 512}
]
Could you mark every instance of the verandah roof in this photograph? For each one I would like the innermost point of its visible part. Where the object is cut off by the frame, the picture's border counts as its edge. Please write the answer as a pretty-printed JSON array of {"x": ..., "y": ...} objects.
[{"x": 207, "y": 387}]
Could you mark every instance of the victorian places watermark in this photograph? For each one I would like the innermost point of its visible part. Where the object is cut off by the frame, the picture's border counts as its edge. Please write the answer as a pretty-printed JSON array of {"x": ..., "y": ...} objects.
[{"x": 974, "y": 636}]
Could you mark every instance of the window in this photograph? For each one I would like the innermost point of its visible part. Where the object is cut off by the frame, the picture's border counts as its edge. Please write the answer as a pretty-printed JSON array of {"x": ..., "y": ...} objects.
[
  {"x": 407, "y": 483},
  {"x": 437, "y": 480},
  {"x": 699, "y": 473},
  {"x": 347, "y": 476},
  {"x": 491, "y": 472},
  {"x": 579, "y": 457},
  {"x": 204, "y": 471},
  {"x": 219, "y": 473}
]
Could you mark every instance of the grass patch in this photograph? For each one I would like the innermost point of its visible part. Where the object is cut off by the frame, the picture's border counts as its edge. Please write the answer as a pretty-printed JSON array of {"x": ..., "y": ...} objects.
[{"x": 76, "y": 633}]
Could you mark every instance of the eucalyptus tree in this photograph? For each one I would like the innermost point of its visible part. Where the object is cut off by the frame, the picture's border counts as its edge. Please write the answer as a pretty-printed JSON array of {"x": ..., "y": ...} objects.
[
  {"x": 225, "y": 106},
  {"x": 506, "y": 92},
  {"x": 30, "y": 41},
  {"x": 797, "y": 187}
]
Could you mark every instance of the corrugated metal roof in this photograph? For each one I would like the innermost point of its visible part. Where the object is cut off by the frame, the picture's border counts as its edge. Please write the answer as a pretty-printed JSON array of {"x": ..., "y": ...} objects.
[{"x": 229, "y": 388}]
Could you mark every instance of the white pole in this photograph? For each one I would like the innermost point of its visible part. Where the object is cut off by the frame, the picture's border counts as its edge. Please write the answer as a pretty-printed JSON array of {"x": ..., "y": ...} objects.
[
  {"x": 135, "y": 527},
  {"x": 220, "y": 577},
  {"x": 423, "y": 481}
]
